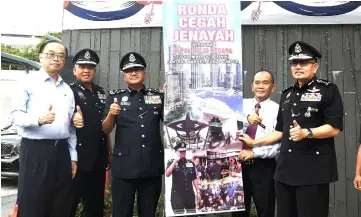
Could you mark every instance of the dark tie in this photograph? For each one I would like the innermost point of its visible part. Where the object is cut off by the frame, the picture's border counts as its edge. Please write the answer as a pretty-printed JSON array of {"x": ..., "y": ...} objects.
[{"x": 252, "y": 129}]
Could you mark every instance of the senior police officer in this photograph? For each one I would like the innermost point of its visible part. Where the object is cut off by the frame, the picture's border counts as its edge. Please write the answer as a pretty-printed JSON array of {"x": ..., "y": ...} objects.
[
  {"x": 138, "y": 159},
  {"x": 184, "y": 177},
  {"x": 309, "y": 117},
  {"x": 93, "y": 145}
]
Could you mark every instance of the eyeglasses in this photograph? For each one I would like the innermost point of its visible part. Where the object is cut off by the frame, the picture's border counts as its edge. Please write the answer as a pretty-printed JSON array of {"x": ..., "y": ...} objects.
[
  {"x": 135, "y": 70},
  {"x": 53, "y": 55}
]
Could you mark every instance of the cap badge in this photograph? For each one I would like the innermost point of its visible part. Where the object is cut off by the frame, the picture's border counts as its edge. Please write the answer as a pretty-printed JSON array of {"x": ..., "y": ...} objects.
[
  {"x": 131, "y": 58},
  {"x": 298, "y": 48},
  {"x": 87, "y": 55}
]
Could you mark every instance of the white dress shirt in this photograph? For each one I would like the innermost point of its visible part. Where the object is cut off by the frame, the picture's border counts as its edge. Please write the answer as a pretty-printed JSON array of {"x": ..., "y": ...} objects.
[{"x": 268, "y": 111}]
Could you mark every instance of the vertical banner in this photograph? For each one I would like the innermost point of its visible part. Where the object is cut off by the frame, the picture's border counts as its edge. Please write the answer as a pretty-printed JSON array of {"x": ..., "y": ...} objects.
[{"x": 203, "y": 107}]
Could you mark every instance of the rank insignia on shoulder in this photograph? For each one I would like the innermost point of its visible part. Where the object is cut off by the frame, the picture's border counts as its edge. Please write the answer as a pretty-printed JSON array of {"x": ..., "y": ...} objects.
[
  {"x": 112, "y": 92},
  {"x": 154, "y": 90},
  {"x": 287, "y": 88},
  {"x": 322, "y": 81},
  {"x": 72, "y": 84}
]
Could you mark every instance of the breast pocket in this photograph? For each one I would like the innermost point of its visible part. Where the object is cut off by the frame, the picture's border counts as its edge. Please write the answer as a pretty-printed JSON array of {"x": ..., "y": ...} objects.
[
  {"x": 310, "y": 111},
  {"x": 155, "y": 109},
  {"x": 125, "y": 116}
]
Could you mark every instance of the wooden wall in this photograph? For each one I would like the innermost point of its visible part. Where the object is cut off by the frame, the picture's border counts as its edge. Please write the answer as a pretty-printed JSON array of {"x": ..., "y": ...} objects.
[{"x": 264, "y": 47}]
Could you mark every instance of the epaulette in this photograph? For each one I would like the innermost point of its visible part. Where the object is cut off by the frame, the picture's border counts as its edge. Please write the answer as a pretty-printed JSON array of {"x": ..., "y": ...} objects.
[
  {"x": 99, "y": 87},
  {"x": 287, "y": 88},
  {"x": 322, "y": 81},
  {"x": 154, "y": 90},
  {"x": 112, "y": 92}
]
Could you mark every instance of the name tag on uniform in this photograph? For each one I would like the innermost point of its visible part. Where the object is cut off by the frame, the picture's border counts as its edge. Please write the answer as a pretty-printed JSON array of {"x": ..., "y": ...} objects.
[
  {"x": 311, "y": 97},
  {"x": 152, "y": 100},
  {"x": 189, "y": 165},
  {"x": 101, "y": 96}
]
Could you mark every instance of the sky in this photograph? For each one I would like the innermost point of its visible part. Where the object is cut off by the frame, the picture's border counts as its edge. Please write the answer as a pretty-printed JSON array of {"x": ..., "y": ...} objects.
[{"x": 31, "y": 16}]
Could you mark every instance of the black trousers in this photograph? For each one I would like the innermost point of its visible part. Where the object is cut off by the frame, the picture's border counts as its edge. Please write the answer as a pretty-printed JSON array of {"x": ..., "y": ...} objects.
[
  {"x": 44, "y": 178},
  {"x": 123, "y": 194},
  {"x": 302, "y": 201},
  {"x": 88, "y": 187},
  {"x": 258, "y": 183},
  {"x": 183, "y": 201}
]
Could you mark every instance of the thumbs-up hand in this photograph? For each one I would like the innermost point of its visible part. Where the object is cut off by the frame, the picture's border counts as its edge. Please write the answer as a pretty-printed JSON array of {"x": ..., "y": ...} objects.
[
  {"x": 78, "y": 118},
  {"x": 48, "y": 117},
  {"x": 254, "y": 118},
  {"x": 297, "y": 133},
  {"x": 114, "y": 107}
]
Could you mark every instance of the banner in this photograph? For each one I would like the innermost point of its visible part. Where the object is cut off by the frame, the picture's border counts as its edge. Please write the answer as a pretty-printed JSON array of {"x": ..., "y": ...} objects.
[
  {"x": 130, "y": 14},
  {"x": 203, "y": 101}
]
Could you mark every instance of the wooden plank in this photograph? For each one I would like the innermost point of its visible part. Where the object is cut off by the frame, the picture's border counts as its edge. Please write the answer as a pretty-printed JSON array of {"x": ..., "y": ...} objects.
[
  {"x": 155, "y": 47},
  {"x": 293, "y": 34},
  {"x": 259, "y": 48},
  {"x": 270, "y": 57},
  {"x": 74, "y": 42},
  {"x": 281, "y": 58},
  {"x": 337, "y": 65},
  {"x": 115, "y": 42},
  {"x": 84, "y": 40},
  {"x": 248, "y": 59},
  {"x": 125, "y": 40},
  {"x": 114, "y": 76},
  {"x": 306, "y": 35},
  {"x": 350, "y": 113},
  {"x": 144, "y": 50},
  {"x": 66, "y": 38},
  {"x": 104, "y": 60},
  {"x": 95, "y": 40}
]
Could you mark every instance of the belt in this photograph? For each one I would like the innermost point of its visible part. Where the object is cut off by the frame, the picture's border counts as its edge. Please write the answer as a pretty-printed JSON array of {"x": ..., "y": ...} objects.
[
  {"x": 47, "y": 141},
  {"x": 251, "y": 161},
  {"x": 258, "y": 160}
]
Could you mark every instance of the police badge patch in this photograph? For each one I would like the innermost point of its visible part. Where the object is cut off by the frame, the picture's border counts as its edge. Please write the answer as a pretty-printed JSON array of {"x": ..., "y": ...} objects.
[{"x": 81, "y": 95}]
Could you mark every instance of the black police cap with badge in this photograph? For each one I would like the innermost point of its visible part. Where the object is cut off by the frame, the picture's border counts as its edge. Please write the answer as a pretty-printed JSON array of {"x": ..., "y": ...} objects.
[
  {"x": 300, "y": 50},
  {"x": 132, "y": 60},
  {"x": 86, "y": 56},
  {"x": 180, "y": 146}
]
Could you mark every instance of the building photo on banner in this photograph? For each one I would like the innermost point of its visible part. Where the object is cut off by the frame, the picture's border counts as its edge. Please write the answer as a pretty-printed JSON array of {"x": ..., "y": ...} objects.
[{"x": 203, "y": 101}]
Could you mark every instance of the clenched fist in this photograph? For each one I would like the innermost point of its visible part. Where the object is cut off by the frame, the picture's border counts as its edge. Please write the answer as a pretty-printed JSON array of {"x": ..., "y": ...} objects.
[
  {"x": 254, "y": 118},
  {"x": 78, "y": 118},
  {"x": 48, "y": 117},
  {"x": 114, "y": 107}
]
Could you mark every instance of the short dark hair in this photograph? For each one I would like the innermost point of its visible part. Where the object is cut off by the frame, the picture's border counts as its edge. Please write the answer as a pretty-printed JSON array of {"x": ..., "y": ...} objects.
[
  {"x": 42, "y": 47},
  {"x": 269, "y": 72}
]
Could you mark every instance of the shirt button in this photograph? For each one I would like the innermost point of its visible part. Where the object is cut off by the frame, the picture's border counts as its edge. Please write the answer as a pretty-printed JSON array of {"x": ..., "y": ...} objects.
[
  {"x": 141, "y": 116},
  {"x": 143, "y": 136},
  {"x": 85, "y": 103},
  {"x": 289, "y": 150},
  {"x": 143, "y": 146},
  {"x": 124, "y": 109},
  {"x": 99, "y": 111},
  {"x": 79, "y": 144},
  {"x": 140, "y": 108},
  {"x": 142, "y": 125},
  {"x": 140, "y": 100},
  {"x": 289, "y": 138},
  {"x": 294, "y": 104},
  {"x": 119, "y": 153},
  {"x": 291, "y": 126},
  {"x": 317, "y": 152},
  {"x": 297, "y": 94},
  {"x": 292, "y": 115}
]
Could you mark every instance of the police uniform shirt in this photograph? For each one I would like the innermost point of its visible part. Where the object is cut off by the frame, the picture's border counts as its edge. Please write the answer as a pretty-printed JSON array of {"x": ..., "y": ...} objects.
[
  {"x": 91, "y": 140},
  {"x": 183, "y": 175},
  {"x": 309, "y": 161},
  {"x": 138, "y": 148}
]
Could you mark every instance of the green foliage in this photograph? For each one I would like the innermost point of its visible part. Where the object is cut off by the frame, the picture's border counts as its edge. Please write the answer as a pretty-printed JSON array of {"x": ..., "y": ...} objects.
[{"x": 28, "y": 52}]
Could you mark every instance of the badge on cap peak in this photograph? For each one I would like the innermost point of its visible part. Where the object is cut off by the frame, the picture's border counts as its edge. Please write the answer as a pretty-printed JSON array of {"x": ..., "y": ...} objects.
[
  {"x": 298, "y": 48},
  {"x": 131, "y": 58},
  {"x": 87, "y": 55}
]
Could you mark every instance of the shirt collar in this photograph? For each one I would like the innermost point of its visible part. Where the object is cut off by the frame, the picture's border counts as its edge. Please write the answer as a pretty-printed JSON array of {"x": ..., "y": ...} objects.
[
  {"x": 80, "y": 83},
  {"x": 264, "y": 102},
  {"x": 142, "y": 90},
  {"x": 308, "y": 83},
  {"x": 45, "y": 76}
]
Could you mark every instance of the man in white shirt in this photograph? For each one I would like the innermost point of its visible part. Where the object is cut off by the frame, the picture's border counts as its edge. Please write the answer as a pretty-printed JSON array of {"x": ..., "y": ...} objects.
[{"x": 259, "y": 163}]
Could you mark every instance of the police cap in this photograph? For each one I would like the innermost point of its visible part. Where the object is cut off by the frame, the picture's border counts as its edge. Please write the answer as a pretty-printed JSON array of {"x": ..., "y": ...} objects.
[
  {"x": 86, "y": 56},
  {"x": 180, "y": 146},
  {"x": 131, "y": 60},
  {"x": 300, "y": 50}
]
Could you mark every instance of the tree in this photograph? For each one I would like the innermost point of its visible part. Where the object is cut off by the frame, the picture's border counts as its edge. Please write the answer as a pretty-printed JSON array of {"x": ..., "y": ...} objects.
[{"x": 28, "y": 52}]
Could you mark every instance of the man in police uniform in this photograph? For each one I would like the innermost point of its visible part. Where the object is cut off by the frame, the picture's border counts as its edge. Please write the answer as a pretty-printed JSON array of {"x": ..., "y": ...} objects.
[
  {"x": 184, "y": 177},
  {"x": 309, "y": 117},
  {"x": 93, "y": 145},
  {"x": 138, "y": 158}
]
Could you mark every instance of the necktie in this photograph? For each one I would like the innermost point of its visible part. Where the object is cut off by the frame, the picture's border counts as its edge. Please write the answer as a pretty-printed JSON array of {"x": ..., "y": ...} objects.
[{"x": 252, "y": 129}]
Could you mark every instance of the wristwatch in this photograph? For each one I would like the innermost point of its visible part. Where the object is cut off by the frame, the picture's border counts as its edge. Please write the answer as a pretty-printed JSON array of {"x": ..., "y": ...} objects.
[{"x": 310, "y": 134}]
